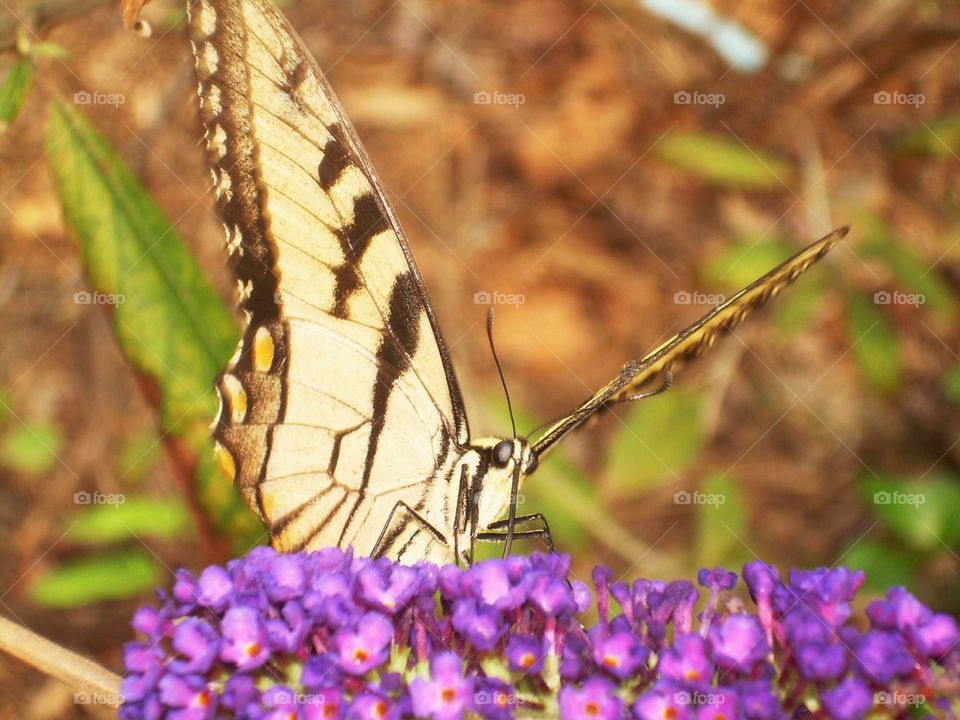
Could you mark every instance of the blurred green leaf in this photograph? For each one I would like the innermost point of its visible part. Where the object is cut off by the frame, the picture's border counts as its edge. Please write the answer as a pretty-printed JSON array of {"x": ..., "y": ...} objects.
[
  {"x": 721, "y": 522},
  {"x": 743, "y": 261},
  {"x": 106, "y": 577},
  {"x": 51, "y": 50},
  {"x": 658, "y": 439},
  {"x": 13, "y": 91},
  {"x": 885, "y": 566},
  {"x": 170, "y": 324},
  {"x": 918, "y": 278},
  {"x": 925, "y": 514},
  {"x": 874, "y": 343},
  {"x": 939, "y": 138},
  {"x": 131, "y": 518},
  {"x": 723, "y": 160},
  {"x": 31, "y": 447},
  {"x": 4, "y": 407},
  {"x": 136, "y": 457},
  {"x": 951, "y": 383},
  {"x": 796, "y": 308}
]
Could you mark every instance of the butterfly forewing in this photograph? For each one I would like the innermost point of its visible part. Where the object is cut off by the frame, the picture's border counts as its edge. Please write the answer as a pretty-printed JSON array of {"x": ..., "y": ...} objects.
[{"x": 340, "y": 401}]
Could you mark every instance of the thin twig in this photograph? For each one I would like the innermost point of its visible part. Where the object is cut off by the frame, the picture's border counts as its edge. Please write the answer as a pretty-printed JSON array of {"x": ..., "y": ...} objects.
[
  {"x": 40, "y": 15},
  {"x": 95, "y": 683}
]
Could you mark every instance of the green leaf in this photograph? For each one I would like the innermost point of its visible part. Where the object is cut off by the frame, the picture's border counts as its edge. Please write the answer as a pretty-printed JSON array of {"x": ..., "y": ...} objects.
[
  {"x": 137, "y": 457},
  {"x": 938, "y": 138},
  {"x": 796, "y": 309},
  {"x": 170, "y": 324},
  {"x": 874, "y": 343},
  {"x": 107, "y": 577},
  {"x": 920, "y": 285},
  {"x": 51, "y": 50},
  {"x": 925, "y": 514},
  {"x": 884, "y": 565},
  {"x": 951, "y": 383},
  {"x": 743, "y": 261},
  {"x": 13, "y": 91},
  {"x": 658, "y": 439},
  {"x": 723, "y": 160},
  {"x": 125, "y": 518},
  {"x": 168, "y": 320},
  {"x": 721, "y": 522},
  {"x": 31, "y": 448},
  {"x": 4, "y": 407}
]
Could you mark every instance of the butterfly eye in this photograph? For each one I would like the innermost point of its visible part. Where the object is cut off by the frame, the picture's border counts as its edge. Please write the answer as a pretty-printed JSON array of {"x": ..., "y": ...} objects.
[
  {"x": 533, "y": 464},
  {"x": 502, "y": 452}
]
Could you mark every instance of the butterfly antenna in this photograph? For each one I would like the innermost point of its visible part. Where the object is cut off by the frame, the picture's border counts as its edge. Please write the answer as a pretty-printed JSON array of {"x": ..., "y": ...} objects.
[{"x": 503, "y": 380}]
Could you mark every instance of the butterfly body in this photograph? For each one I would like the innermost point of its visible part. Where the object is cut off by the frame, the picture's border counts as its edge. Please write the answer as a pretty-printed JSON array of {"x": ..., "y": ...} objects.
[{"x": 341, "y": 419}]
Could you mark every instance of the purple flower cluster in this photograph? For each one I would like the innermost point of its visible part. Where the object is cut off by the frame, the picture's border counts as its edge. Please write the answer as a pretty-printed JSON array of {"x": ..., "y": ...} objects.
[{"x": 327, "y": 635}]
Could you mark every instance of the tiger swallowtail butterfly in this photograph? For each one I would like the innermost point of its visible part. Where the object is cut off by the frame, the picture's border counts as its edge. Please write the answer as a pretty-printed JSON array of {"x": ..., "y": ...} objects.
[{"x": 341, "y": 419}]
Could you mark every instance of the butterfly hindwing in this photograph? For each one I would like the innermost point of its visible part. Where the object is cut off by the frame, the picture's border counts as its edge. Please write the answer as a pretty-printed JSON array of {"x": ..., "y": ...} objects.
[
  {"x": 340, "y": 401},
  {"x": 687, "y": 344}
]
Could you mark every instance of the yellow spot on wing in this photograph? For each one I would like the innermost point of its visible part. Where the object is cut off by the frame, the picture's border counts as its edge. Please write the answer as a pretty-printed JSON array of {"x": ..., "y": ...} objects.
[
  {"x": 236, "y": 397},
  {"x": 263, "y": 350},
  {"x": 226, "y": 461}
]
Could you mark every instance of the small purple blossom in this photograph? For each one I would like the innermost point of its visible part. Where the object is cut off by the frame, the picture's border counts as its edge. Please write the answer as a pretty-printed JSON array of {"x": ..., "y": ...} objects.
[
  {"x": 446, "y": 694},
  {"x": 594, "y": 701}
]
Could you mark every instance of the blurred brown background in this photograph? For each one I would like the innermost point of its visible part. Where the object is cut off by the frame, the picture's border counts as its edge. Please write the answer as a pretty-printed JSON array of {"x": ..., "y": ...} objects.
[{"x": 598, "y": 169}]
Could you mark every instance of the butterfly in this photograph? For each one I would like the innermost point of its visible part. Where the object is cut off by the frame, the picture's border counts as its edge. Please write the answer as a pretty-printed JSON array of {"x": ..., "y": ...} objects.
[{"x": 341, "y": 419}]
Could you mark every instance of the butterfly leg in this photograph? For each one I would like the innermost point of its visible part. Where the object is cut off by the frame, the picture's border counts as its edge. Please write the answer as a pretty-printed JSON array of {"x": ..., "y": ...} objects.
[
  {"x": 398, "y": 521},
  {"x": 541, "y": 530}
]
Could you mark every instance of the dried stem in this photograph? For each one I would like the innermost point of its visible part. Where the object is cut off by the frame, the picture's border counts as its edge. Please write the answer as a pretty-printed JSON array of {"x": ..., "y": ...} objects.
[{"x": 97, "y": 684}]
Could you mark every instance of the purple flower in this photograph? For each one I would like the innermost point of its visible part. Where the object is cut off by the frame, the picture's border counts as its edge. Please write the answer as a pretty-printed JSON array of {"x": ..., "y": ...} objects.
[
  {"x": 244, "y": 638},
  {"x": 820, "y": 661},
  {"x": 621, "y": 653},
  {"x": 197, "y": 644},
  {"x": 491, "y": 585},
  {"x": 525, "y": 654},
  {"x": 481, "y": 626},
  {"x": 189, "y": 694},
  {"x": 324, "y": 635},
  {"x": 882, "y": 656},
  {"x": 447, "y": 694},
  {"x": 372, "y": 706},
  {"x": 387, "y": 589},
  {"x": 595, "y": 700},
  {"x": 367, "y": 647},
  {"x": 738, "y": 643},
  {"x": 213, "y": 587},
  {"x": 687, "y": 662},
  {"x": 936, "y": 637},
  {"x": 717, "y": 579},
  {"x": 849, "y": 700},
  {"x": 663, "y": 702}
]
